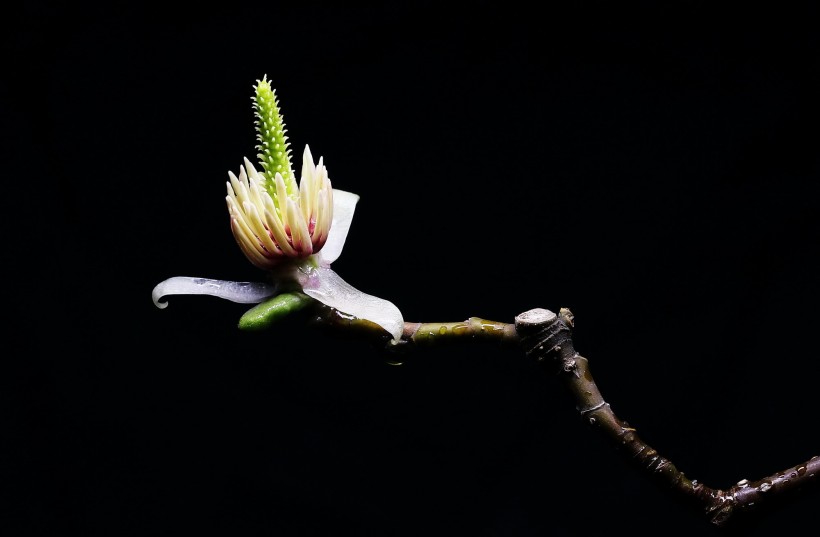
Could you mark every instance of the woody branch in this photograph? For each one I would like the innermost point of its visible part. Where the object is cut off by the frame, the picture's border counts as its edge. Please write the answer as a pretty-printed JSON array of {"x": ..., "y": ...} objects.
[{"x": 547, "y": 338}]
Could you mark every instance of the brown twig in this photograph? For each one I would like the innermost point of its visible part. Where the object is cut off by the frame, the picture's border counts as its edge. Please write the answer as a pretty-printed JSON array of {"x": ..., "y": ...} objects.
[{"x": 547, "y": 338}]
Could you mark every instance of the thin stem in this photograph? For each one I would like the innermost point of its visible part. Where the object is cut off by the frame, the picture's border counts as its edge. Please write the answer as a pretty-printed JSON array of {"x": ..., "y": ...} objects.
[
  {"x": 472, "y": 328},
  {"x": 421, "y": 334},
  {"x": 547, "y": 338}
]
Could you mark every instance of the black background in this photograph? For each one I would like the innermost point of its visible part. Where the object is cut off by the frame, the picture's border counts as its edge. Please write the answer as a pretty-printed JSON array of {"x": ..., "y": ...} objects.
[{"x": 651, "y": 169}]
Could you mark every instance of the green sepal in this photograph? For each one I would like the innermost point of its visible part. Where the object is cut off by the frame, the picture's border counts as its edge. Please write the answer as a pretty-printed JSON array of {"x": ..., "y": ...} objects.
[{"x": 265, "y": 314}]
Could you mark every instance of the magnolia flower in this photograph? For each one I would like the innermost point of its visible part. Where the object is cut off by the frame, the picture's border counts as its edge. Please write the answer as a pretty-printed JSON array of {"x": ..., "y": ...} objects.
[
  {"x": 270, "y": 233},
  {"x": 292, "y": 231}
]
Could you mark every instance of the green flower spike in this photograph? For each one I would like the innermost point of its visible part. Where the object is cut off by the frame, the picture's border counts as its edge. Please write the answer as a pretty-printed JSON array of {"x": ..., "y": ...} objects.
[{"x": 292, "y": 231}]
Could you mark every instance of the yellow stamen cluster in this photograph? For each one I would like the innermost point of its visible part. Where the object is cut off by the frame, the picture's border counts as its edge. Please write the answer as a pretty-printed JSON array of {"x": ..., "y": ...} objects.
[{"x": 271, "y": 229}]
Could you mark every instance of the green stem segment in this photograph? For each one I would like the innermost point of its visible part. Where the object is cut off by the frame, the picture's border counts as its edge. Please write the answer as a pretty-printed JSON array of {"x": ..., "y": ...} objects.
[
  {"x": 422, "y": 333},
  {"x": 472, "y": 328}
]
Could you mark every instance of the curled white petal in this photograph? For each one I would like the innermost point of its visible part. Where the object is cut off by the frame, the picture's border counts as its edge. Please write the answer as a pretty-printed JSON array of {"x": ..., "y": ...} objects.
[
  {"x": 242, "y": 292},
  {"x": 324, "y": 285},
  {"x": 344, "y": 204}
]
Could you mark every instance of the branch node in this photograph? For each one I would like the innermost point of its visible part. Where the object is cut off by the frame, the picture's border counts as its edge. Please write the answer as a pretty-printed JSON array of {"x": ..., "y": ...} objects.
[{"x": 544, "y": 334}]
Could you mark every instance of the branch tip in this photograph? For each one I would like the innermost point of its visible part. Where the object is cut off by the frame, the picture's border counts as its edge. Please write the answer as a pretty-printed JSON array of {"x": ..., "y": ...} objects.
[{"x": 534, "y": 317}]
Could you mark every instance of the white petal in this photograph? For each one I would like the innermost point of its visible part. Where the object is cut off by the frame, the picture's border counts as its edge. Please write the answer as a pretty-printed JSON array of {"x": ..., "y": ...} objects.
[
  {"x": 242, "y": 292},
  {"x": 344, "y": 204},
  {"x": 329, "y": 288},
  {"x": 307, "y": 184}
]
